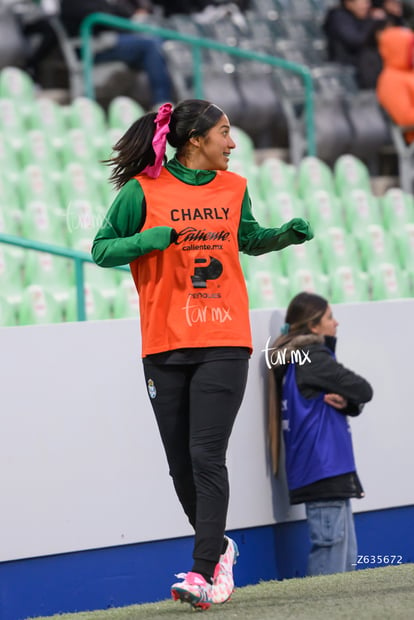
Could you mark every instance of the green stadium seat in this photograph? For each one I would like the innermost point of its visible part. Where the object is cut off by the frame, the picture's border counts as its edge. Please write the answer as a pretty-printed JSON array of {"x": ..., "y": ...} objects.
[
  {"x": 347, "y": 285},
  {"x": 83, "y": 218},
  {"x": 78, "y": 147},
  {"x": 38, "y": 148},
  {"x": 388, "y": 281},
  {"x": 17, "y": 86},
  {"x": 267, "y": 290},
  {"x": 53, "y": 272},
  {"x": 41, "y": 222},
  {"x": 351, "y": 173},
  {"x": 11, "y": 268},
  {"x": 8, "y": 316},
  {"x": 282, "y": 207},
  {"x": 313, "y": 174},
  {"x": 244, "y": 145},
  {"x": 123, "y": 112},
  {"x": 9, "y": 161},
  {"x": 275, "y": 175},
  {"x": 36, "y": 183},
  {"x": 337, "y": 249},
  {"x": 308, "y": 280},
  {"x": 88, "y": 115},
  {"x": 397, "y": 208},
  {"x": 375, "y": 246},
  {"x": 361, "y": 208},
  {"x": 8, "y": 223},
  {"x": 39, "y": 306},
  {"x": 126, "y": 301},
  {"x": 323, "y": 209},
  {"x": 106, "y": 280},
  {"x": 99, "y": 303},
  {"x": 404, "y": 240},
  {"x": 77, "y": 182},
  {"x": 303, "y": 256},
  {"x": 48, "y": 116},
  {"x": 12, "y": 123}
]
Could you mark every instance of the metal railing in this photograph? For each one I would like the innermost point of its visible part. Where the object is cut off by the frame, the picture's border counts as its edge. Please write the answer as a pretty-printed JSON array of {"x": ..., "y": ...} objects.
[
  {"x": 79, "y": 259},
  {"x": 197, "y": 43}
]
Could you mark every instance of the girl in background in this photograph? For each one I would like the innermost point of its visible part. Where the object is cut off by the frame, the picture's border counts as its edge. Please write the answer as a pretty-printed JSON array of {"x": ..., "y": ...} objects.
[{"x": 313, "y": 395}]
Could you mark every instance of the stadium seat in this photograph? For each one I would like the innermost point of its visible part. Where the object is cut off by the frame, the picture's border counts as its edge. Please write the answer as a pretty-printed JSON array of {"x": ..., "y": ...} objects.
[
  {"x": 41, "y": 221},
  {"x": 275, "y": 175},
  {"x": 267, "y": 290},
  {"x": 49, "y": 270},
  {"x": 351, "y": 173},
  {"x": 348, "y": 284},
  {"x": 323, "y": 210},
  {"x": 39, "y": 148},
  {"x": 309, "y": 280},
  {"x": 397, "y": 208},
  {"x": 126, "y": 301},
  {"x": 404, "y": 238},
  {"x": 50, "y": 117},
  {"x": 388, "y": 281},
  {"x": 313, "y": 174},
  {"x": 12, "y": 123},
  {"x": 302, "y": 256},
  {"x": 36, "y": 183},
  {"x": 78, "y": 147},
  {"x": 361, "y": 208},
  {"x": 8, "y": 316},
  {"x": 338, "y": 249},
  {"x": 83, "y": 218},
  {"x": 17, "y": 85},
  {"x": 375, "y": 246},
  {"x": 122, "y": 112},
  {"x": 11, "y": 268},
  {"x": 38, "y": 306},
  {"x": 282, "y": 207}
]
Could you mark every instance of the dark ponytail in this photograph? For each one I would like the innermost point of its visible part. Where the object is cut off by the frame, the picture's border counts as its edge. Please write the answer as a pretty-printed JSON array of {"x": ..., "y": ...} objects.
[{"x": 134, "y": 150}]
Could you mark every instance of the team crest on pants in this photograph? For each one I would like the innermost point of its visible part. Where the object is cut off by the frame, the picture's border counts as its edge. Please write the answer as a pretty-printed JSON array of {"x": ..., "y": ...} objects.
[{"x": 151, "y": 388}]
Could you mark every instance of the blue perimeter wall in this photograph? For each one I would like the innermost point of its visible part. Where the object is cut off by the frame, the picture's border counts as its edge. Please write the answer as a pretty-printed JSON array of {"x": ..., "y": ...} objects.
[{"x": 127, "y": 575}]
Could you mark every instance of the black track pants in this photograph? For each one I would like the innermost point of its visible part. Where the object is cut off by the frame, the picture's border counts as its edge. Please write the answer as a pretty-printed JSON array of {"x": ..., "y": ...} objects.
[{"x": 195, "y": 407}]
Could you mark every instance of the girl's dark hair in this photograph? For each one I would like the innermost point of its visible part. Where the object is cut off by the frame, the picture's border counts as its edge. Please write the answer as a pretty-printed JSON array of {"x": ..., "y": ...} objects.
[
  {"x": 190, "y": 118},
  {"x": 305, "y": 310}
]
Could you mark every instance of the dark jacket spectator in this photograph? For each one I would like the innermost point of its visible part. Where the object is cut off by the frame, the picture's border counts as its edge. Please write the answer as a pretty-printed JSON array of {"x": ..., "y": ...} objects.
[
  {"x": 351, "y": 31},
  {"x": 139, "y": 51}
]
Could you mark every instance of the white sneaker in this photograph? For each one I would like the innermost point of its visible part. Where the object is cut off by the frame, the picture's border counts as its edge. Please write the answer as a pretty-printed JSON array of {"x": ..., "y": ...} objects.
[{"x": 223, "y": 582}]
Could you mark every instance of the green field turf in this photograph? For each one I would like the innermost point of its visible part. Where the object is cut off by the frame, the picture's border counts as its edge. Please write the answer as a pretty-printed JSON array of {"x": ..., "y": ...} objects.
[{"x": 371, "y": 594}]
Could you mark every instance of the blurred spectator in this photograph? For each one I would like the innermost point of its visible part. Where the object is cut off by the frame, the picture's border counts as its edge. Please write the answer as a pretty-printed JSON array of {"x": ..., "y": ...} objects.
[
  {"x": 398, "y": 13},
  {"x": 39, "y": 35},
  {"x": 137, "y": 50},
  {"x": 351, "y": 30},
  {"x": 395, "y": 87},
  {"x": 172, "y": 7}
]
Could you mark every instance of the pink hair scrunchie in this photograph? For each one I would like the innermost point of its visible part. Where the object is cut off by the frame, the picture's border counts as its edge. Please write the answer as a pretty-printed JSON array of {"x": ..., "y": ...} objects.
[{"x": 159, "y": 141}]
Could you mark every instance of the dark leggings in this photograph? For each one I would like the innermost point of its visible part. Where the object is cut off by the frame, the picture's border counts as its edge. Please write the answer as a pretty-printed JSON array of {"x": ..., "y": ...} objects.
[{"x": 195, "y": 407}]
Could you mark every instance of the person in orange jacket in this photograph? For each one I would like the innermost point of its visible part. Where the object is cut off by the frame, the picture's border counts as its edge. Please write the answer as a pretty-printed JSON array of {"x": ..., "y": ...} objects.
[{"x": 395, "y": 86}]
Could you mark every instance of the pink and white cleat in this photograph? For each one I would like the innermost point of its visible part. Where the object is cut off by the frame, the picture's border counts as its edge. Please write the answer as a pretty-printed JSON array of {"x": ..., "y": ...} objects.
[
  {"x": 223, "y": 582},
  {"x": 194, "y": 589}
]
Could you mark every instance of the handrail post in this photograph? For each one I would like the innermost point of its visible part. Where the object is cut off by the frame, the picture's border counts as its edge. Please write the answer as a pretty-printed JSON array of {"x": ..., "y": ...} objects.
[{"x": 80, "y": 289}]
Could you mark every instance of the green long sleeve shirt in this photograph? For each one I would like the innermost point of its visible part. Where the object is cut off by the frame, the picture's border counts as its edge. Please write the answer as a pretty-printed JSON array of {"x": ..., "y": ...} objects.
[{"x": 119, "y": 240}]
